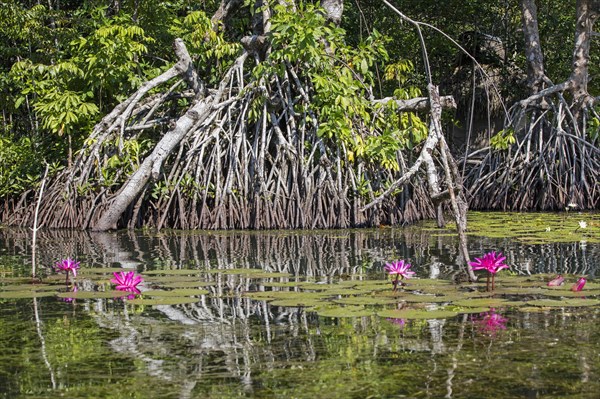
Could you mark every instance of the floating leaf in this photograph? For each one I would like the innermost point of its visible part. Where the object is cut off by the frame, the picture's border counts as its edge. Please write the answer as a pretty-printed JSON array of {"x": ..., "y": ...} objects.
[
  {"x": 261, "y": 295},
  {"x": 314, "y": 286},
  {"x": 24, "y": 294},
  {"x": 570, "y": 294},
  {"x": 102, "y": 270},
  {"x": 163, "y": 300},
  {"x": 279, "y": 284},
  {"x": 371, "y": 284},
  {"x": 344, "y": 311},
  {"x": 482, "y": 302},
  {"x": 574, "y": 302},
  {"x": 297, "y": 302},
  {"x": 462, "y": 310},
  {"x": 174, "y": 278},
  {"x": 365, "y": 300},
  {"x": 425, "y": 298},
  {"x": 17, "y": 280},
  {"x": 520, "y": 291},
  {"x": 175, "y": 293},
  {"x": 92, "y": 294},
  {"x": 32, "y": 287},
  {"x": 417, "y": 314},
  {"x": 173, "y": 272},
  {"x": 187, "y": 284},
  {"x": 251, "y": 273}
]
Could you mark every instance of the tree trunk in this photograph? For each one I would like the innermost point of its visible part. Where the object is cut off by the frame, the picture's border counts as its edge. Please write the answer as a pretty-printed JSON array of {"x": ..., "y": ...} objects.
[
  {"x": 152, "y": 164},
  {"x": 587, "y": 13},
  {"x": 533, "y": 49}
]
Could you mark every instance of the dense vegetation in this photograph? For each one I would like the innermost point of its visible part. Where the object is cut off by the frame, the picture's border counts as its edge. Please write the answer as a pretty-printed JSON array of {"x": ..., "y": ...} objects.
[{"x": 300, "y": 120}]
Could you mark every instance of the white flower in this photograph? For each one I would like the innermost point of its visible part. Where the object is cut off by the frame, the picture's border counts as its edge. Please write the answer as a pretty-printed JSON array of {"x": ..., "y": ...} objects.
[
  {"x": 582, "y": 224},
  {"x": 547, "y": 228}
]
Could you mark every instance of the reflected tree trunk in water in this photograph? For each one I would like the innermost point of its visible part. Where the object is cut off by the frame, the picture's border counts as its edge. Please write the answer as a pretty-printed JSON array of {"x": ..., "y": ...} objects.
[{"x": 38, "y": 327}]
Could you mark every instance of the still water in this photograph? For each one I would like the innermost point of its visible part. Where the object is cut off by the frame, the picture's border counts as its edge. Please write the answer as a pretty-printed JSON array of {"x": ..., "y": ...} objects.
[{"x": 227, "y": 345}]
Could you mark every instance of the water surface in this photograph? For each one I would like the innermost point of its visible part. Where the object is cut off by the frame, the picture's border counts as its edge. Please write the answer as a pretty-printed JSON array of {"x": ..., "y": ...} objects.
[{"x": 227, "y": 345}]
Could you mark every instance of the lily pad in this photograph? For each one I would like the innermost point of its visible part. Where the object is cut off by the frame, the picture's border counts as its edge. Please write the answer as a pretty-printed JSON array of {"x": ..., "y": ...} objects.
[
  {"x": 365, "y": 300},
  {"x": 375, "y": 284},
  {"x": 261, "y": 295},
  {"x": 102, "y": 270},
  {"x": 482, "y": 309},
  {"x": 481, "y": 302},
  {"x": 252, "y": 273},
  {"x": 425, "y": 298},
  {"x": 314, "y": 286},
  {"x": 296, "y": 302},
  {"x": 25, "y": 294},
  {"x": 32, "y": 287},
  {"x": 163, "y": 300},
  {"x": 279, "y": 284},
  {"x": 187, "y": 284},
  {"x": 170, "y": 278},
  {"x": 175, "y": 293},
  {"x": 574, "y": 302},
  {"x": 92, "y": 294},
  {"x": 520, "y": 291},
  {"x": 571, "y": 294},
  {"x": 344, "y": 311},
  {"x": 175, "y": 272},
  {"x": 417, "y": 314},
  {"x": 16, "y": 280}
]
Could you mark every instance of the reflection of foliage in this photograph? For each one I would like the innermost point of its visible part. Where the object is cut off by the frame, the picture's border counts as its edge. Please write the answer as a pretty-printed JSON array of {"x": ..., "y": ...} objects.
[{"x": 73, "y": 344}]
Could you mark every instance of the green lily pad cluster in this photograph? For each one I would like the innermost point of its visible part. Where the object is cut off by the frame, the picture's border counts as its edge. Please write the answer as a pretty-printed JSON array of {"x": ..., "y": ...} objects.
[
  {"x": 537, "y": 228},
  {"x": 426, "y": 299},
  {"x": 352, "y": 297}
]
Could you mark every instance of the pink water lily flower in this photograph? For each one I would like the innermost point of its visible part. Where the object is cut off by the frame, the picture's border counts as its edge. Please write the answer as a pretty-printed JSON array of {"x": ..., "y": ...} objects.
[
  {"x": 67, "y": 265},
  {"x": 127, "y": 281},
  {"x": 578, "y": 286},
  {"x": 400, "y": 269},
  {"x": 556, "y": 281},
  {"x": 492, "y": 262}
]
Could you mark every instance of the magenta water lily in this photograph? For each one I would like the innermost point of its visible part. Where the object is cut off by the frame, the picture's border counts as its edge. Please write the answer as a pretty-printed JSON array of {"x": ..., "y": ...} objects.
[
  {"x": 67, "y": 265},
  {"x": 578, "y": 286},
  {"x": 127, "y": 281},
  {"x": 492, "y": 262},
  {"x": 556, "y": 281},
  {"x": 400, "y": 270}
]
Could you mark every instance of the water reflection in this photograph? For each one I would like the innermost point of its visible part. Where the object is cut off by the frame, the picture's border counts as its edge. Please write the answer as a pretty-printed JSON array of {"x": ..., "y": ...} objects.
[{"x": 228, "y": 345}]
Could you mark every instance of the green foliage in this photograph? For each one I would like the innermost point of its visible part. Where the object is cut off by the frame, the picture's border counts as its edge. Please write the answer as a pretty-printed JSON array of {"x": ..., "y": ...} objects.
[
  {"x": 593, "y": 128},
  {"x": 19, "y": 165},
  {"x": 206, "y": 45},
  {"x": 124, "y": 161},
  {"x": 340, "y": 78},
  {"x": 67, "y": 95},
  {"x": 503, "y": 139}
]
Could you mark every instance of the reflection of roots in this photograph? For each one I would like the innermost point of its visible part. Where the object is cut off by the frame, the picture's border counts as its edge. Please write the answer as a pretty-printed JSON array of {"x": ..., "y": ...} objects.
[{"x": 553, "y": 163}]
